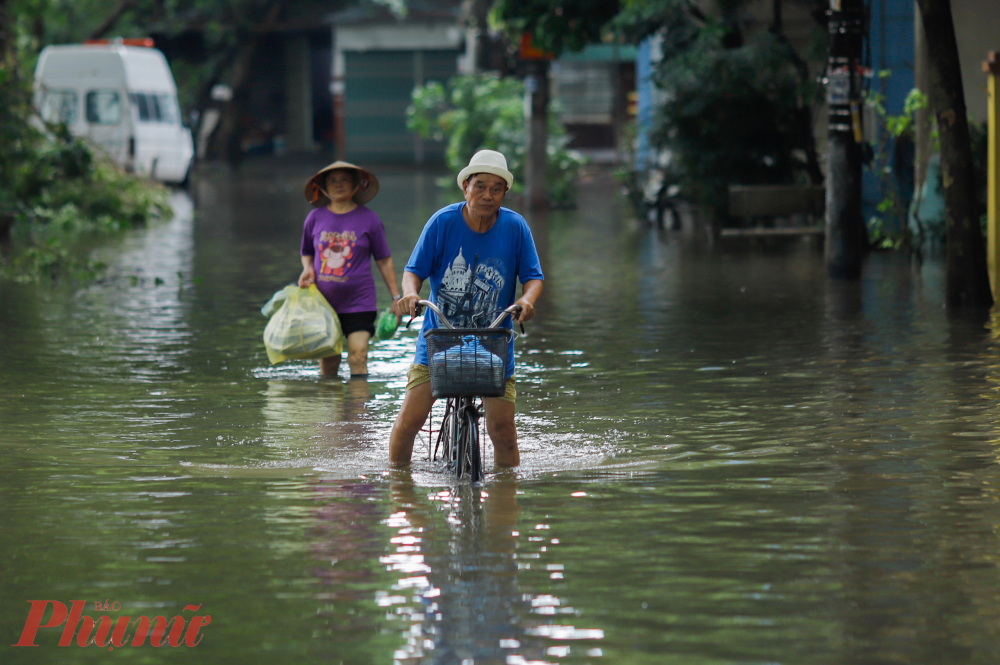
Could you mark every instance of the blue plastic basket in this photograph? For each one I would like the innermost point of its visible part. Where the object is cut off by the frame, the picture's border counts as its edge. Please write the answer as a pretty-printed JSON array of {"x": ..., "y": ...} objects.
[{"x": 468, "y": 362}]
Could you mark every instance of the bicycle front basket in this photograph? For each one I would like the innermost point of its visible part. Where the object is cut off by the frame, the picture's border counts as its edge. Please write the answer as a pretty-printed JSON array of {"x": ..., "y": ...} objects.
[{"x": 468, "y": 362}]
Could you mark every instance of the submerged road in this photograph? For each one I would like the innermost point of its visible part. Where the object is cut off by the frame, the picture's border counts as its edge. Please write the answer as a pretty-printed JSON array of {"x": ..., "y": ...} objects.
[{"x": 727, "y": 458}]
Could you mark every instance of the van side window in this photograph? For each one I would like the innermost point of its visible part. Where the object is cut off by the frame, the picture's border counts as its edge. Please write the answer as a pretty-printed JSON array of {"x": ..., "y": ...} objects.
[
  {"x": 139, "y": 102},
  {"x": 59, "y": 106},
  {"x": 104, "y": 107},
  {"x": 155, "y": 107}
]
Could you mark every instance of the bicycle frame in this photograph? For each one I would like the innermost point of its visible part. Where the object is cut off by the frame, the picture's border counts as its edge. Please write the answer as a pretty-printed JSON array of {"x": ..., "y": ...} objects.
[
  {"x": 460, "y": 434},
  {"x": 458, "y": 439}
]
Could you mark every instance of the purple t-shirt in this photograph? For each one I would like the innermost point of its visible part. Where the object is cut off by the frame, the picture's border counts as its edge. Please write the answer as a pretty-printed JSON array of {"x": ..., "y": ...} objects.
[{"x": 341, "y": 246}]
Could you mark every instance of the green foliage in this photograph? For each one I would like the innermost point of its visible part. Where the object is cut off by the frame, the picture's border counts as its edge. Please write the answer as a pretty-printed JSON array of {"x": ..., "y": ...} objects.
[
  {"x": 734, "y": 109},
  {"x": 555, "y": 26},
  {"x": 733, "y": 116},
  {"x": 893, "y": 208},
  {"x": 57, "y": 194},
  {"x": 639, "y": 19},
  {"x": 475, "y": 112},
  {"x": 220, "y": 25},
  {"x": 979, "y": 138}
]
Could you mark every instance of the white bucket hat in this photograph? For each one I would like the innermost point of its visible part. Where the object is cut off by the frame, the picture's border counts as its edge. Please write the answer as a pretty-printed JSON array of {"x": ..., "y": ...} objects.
[{"x": 487, "y": 161}]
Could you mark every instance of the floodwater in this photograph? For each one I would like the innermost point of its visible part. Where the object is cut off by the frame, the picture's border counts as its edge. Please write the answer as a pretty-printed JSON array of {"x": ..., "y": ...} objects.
[{"x": 727, "y": 458}]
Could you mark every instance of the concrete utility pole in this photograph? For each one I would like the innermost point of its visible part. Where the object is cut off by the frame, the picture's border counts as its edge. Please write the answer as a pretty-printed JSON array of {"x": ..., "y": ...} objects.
[
  {"x": 536, "y": 119},
  {"x": 846, "y": 235}
]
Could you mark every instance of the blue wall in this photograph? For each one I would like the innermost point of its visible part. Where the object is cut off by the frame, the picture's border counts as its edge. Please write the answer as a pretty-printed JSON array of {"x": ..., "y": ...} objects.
[
  {"x": 646, "y": 93},
  {"x": 890, "y": 45}
]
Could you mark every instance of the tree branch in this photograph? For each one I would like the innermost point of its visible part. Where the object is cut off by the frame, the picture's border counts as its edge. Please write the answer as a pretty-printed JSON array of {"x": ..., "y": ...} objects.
[{"x": 112, "y": 18}]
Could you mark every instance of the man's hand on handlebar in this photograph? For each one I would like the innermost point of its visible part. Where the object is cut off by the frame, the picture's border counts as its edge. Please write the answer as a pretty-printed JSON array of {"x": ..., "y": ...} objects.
[
  {"x": 527, "y": 311},
  {"x": 408, "y": 304}
]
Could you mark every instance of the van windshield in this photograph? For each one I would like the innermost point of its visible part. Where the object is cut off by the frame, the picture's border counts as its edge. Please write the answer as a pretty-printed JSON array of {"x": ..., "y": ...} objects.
[
  {"x": 104, "y": 107},
  {"x": 59, "y": 106}
]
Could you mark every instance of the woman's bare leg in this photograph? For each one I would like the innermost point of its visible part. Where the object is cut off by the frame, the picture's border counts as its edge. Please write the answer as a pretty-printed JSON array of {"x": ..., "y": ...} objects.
[
  {"x": 330, "y": 365},
  {"x": 357, "y": 351},
  {"x": 357, "y": 356}
]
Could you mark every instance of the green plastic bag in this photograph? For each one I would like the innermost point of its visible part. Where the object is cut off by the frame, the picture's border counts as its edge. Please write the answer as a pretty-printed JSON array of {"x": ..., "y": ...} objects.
[
  {"x": 305, "y": 326},
  {"x": 385, "y": 325}
]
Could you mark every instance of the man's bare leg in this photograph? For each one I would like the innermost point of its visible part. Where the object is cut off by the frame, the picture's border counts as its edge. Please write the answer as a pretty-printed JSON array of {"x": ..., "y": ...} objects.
[
  {"x": 503, "y": 433},
  {"x": 411, "y": 417}
]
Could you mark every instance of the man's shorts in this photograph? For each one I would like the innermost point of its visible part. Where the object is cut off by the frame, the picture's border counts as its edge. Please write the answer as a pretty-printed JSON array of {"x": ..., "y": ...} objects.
[{"x": 420, "y": 374}]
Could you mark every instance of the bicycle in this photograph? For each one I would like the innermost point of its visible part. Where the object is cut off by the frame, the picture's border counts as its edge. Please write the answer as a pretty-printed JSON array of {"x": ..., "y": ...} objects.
[{"x": 466, "y": 365}]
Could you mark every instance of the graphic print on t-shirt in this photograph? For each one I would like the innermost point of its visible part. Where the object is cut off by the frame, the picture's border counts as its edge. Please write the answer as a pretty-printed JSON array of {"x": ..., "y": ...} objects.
[
  {"x": 335, "y": 250},
  {"x": 468, "y": 294}
]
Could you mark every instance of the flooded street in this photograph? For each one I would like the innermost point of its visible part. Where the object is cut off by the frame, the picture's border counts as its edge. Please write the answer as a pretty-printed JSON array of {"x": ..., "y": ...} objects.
[{"x": 726, "y": 458}]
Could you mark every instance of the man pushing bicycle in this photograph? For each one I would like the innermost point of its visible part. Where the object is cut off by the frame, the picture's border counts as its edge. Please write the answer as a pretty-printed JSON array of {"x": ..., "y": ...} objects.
[{"x": 473, "y": 252}]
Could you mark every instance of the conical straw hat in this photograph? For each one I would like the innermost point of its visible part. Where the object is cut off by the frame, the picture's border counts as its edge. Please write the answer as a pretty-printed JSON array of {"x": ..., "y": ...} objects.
[{"x": 368, "y": 185}]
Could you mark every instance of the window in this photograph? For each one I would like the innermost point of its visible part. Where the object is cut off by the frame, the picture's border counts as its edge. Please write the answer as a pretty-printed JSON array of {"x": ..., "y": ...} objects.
[
  {"x": 168, "y": 109},
  {"x": 59, "y": 106},
  {"x": 104, "y": 107},
  {"x": 139, "y": 102},
  {"x": 155, "y": 107}
]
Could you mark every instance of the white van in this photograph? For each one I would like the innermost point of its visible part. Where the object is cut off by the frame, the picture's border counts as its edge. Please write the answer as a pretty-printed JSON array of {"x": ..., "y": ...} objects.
[{"x": 123, "y": 99}]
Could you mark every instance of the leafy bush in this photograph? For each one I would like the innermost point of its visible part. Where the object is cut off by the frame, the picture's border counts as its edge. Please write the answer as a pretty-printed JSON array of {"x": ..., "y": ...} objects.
[
  {"x": 890, "y": 228},
  {"x": 894, "y": 208},
  {"x": 56, "y": 192},
  {"x": 735, "y": 104},
  {"x": 484, "y": 111},
  {"x": 733, "y": 116}
]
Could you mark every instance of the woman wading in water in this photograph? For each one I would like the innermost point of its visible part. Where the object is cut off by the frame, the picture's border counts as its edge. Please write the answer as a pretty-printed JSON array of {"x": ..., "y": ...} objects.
[{"x": 338, "y": 238}]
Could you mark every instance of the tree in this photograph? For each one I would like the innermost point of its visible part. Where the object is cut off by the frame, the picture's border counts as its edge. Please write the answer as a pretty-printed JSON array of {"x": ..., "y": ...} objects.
[
  {"x": 737, "y": 107},
  {"x": 4, "y": 30},
  {"x": 229, "y": 34},
  {"x": 484, "y": 111},
  {"x": 967, "y": 273},
  {"x": 553, "y": 27}
]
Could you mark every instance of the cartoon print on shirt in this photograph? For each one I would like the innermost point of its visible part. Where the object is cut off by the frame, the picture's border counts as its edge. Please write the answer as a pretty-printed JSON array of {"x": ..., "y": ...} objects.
[
  {"x": 335, "y": 250},
  {"x": 468, "y": 295}
]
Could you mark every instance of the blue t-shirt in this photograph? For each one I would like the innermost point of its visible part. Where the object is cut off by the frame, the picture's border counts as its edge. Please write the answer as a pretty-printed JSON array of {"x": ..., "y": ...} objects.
[{"x": 472, "y": 274}]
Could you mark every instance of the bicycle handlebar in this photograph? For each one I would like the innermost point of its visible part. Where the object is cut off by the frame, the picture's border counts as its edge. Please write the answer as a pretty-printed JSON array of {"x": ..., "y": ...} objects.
[
  {"x": 427, "y": 303},
  {"x": 511, "y": 311}
]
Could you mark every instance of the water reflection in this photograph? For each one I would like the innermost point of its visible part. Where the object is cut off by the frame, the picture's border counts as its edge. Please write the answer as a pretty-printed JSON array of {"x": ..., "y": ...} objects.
[{"x": 458, "y": 552}]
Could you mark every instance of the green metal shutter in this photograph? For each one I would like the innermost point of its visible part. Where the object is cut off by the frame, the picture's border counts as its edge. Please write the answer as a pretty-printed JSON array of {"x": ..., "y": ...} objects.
[{"x": 378, "y": 88}]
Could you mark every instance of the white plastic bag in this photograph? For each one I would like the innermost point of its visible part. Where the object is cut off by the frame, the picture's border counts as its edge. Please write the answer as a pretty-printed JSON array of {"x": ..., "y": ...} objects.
[{"x": 305, "y": 326}]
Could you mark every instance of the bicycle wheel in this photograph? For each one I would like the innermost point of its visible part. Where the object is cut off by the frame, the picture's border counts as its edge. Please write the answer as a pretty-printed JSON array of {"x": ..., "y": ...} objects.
[
  {"x": 469, "y": 463},
  {"x": 447, "y": 435},
  {"x": 462, "y": 441},
  {"x": 475, "y": 461}
]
